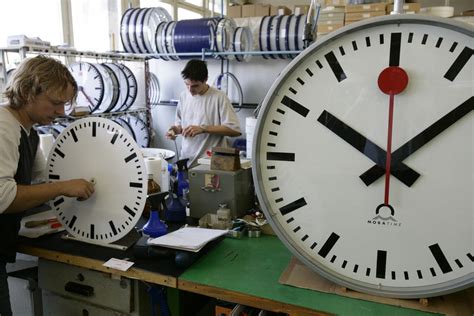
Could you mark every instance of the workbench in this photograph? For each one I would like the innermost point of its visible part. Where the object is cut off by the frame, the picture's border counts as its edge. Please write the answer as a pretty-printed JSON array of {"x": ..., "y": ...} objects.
[{"x": 242, "y": 271}]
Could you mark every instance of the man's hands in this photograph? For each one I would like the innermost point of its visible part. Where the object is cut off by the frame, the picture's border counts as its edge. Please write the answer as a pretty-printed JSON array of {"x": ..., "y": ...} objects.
[
  {"x": 189, "y": 131},
  {"x": 79, "y": 188},
  {"x": 173, "y": 132},
  {"x": 193, "y": 130}
]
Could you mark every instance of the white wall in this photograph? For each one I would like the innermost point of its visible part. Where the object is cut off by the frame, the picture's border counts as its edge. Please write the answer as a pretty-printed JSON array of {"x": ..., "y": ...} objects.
[{"x": 255, "y": 77}]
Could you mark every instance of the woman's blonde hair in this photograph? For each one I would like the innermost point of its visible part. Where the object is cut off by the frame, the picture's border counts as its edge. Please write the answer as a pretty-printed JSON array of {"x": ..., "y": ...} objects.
[{"x": 36, "y": 75}]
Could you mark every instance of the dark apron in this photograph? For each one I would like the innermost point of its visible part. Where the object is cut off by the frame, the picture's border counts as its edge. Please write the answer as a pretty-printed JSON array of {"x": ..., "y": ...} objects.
[{"x": 10, "y": 223}]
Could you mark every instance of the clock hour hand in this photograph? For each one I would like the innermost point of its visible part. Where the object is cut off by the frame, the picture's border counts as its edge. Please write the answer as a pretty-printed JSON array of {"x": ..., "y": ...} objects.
[
  {"x": 91, "y": 106},
  {"x": 371, "y": 175},
  {"x": 401, "y": 171}
]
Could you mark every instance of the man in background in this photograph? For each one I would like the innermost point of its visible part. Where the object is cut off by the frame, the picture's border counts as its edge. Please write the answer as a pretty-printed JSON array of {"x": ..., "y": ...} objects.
[{"x": 204, "y": 115}]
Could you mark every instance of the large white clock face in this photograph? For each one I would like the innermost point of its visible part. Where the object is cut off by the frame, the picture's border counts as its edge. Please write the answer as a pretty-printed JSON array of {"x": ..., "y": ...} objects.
[
  {"x": 320, "y": 156},
  {"x": 99, "y": 150}
]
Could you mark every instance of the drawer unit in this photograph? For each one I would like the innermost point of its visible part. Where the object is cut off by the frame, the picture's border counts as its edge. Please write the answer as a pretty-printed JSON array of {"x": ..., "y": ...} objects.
[{"x": 68, "y": 289}]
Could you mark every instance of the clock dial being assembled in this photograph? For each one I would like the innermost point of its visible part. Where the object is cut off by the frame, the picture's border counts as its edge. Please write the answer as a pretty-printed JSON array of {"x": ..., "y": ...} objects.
[
  {"x": 99, "y": 150},
  {"x": 393, "y": 93}
]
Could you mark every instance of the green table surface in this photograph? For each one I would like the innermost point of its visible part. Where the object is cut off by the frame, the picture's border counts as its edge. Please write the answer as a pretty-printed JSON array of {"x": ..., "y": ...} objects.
[{"x": 252, "y": 266}]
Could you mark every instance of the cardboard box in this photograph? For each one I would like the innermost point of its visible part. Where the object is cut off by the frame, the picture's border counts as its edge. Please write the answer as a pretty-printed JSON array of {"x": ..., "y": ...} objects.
[
  {"x": 326, "y": 28},
  {"x": 262, "y": 9},
  {"x": 366, "y": 7},
  {"x": 335, "y": 2},
  {"x": 248, "y": 10},
  {"x": 357, "y": 16},
  {"x": 300, "y": 9},
  {"x": 407, "y": 7},
  {"x": 234, "y": 11},
  {"x": 279, "y": 10},
  {"x": 331, "y": 17}
]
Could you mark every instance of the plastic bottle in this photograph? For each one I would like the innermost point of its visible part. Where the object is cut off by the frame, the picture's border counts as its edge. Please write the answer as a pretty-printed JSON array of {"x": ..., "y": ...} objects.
[
  {"x": 154, "y": 227},
  {"x": 153, "y": 187},
  {"x": 223, "y": 217}
]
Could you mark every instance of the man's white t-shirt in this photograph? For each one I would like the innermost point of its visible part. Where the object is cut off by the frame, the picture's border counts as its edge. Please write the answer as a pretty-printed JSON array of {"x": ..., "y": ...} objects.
[
  {"x": 10, "y": 136},
  {"x": 211, "y": 108}
]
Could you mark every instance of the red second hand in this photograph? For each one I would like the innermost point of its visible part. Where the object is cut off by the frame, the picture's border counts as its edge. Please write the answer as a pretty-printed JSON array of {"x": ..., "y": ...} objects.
[
  {"x": 388, "y": 159},
  {"x": 392, "y": 80}
]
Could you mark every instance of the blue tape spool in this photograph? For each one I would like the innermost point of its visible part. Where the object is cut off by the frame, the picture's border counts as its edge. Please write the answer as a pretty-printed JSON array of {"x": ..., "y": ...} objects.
[{"x": 192, "y": 36}]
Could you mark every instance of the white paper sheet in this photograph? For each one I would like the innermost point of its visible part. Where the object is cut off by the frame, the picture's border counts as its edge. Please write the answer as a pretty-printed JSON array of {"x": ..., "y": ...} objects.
[{"x": 188, "y": 238}]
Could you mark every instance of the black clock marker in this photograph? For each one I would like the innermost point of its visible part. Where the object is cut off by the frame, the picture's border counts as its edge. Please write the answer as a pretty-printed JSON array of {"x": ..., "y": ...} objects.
[
  {"x": 300, "y": 81},
  {"x": 280, "y": 111},
  {"x": 58, "y": 202},
  {"x": 410, "y": 37},
  {"x": 470, "y": 256},
  {"x": 459, "y": 64},
  {"x": 295, "y": 106},
  {"x": 91, "y": 233},
  {"x": 292, "y": 90},
  {"x": 94, "y": 129},
  {"x": 333, "y": 258},
  {"x": 420, "y": 275},
  {"x": 131, "y": 157},
  {"x": 453, "y": 47},
  {"x": 356, "y": 267},
  {"x": 335, "y": 66},
  {"x": 420, "y": 140},
  {"x": 381, "y": 264},
  {"x": 354, "y": 45},
  {"x": 341, "y": 50},
  {"x": 280, "y": 156},
  {"x": 276, "y": 122},
  {"x": 114, "y": 138},
  {"x": 293, "y": 206},
  {"x": 112, "y": 226},
  {"x": 401, "y": 171},
  {"x": 425, "y": 38},
  {"x": 328, "y": 245},
  {"x": 433, "y": 272},
  {"x": 394, "y": 276},
  {"x": 367, "y": 41},
  {"x": 129, "y": 210},
  {"x": 60, "y": 153},
  {"x": 136, "y": 185},
  {"x": 440, "y": 258},
  {"x": 304, "y": 237},
  {"x": 74, "y": 136},
  {"x": 309, "y": 72},
  {"x": 438, "y": 43},
  {"x": 54, "y": 177},
  {"x": 381, "y": 39},
  {"x": 395, "y": 45},
  {"x": 73, "y": 221}
]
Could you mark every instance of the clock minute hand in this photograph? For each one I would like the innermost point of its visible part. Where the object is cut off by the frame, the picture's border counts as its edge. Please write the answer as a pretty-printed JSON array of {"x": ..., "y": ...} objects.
[
  {"x": 403, "y": 173},
  {"x": 375, "y": 172}
]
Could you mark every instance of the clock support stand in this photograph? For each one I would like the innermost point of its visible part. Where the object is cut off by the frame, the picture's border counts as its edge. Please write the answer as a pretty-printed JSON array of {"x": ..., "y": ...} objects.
[{"x": 122, "y": 244}]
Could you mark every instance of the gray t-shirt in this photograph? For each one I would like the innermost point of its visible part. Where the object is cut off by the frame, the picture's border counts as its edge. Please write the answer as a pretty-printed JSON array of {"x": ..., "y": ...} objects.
[{"x": 211, "y": 108}]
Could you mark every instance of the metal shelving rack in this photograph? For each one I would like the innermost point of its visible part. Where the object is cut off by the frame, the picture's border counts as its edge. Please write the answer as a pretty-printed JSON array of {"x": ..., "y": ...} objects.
[{"x": 69, "y": 55}]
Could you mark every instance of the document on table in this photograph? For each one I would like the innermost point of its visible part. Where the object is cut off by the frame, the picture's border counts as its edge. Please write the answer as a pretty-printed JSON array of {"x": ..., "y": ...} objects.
[{"x": 188, "y": 238}]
